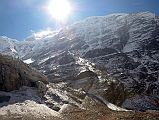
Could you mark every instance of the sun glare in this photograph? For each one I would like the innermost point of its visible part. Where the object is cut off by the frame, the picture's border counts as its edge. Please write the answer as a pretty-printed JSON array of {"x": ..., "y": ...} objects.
[{"x": 59, "y": 9}]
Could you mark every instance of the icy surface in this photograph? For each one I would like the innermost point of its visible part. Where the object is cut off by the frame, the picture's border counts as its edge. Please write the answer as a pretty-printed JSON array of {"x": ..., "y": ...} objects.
[{"x": 28, "y": 61}]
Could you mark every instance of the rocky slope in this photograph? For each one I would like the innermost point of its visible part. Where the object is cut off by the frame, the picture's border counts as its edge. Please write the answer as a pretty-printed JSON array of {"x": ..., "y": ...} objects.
[
  {"x": 30, "y": 110},
  {"x": 113, "y": 59}
]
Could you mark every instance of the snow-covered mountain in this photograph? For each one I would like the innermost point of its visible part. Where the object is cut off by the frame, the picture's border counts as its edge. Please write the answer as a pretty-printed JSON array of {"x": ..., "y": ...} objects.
[{"x": 114, "y": 57}]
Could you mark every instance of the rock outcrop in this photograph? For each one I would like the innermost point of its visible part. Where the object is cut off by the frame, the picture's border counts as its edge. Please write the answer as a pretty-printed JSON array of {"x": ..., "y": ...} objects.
[{"x": 15, "y": 74}]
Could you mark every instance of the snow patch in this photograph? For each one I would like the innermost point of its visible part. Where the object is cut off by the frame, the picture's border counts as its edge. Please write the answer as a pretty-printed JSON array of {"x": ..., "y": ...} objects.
[
  {"x": 13, "y": 50},
  {"x": 28, "y": 61}
]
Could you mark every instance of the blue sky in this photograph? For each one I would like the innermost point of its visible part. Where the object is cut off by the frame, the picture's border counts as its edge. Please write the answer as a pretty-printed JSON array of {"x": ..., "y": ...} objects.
[{"x": 19, "y": 17}]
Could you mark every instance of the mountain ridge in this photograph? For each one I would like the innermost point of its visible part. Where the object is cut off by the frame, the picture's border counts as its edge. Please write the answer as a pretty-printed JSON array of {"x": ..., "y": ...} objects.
[{"x": 120, "y": 49}]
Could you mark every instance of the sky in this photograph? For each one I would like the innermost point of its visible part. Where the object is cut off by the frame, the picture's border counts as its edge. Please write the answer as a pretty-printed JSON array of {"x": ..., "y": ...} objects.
[{"x": 21, "y": 18}]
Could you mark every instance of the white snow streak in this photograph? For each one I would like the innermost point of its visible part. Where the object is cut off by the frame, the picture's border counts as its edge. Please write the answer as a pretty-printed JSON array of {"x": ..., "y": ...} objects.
[{"x": 28, "y": 61}]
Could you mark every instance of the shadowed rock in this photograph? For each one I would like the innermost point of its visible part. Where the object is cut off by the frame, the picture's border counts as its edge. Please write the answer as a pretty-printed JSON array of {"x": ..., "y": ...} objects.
[{"x": 14, "y": 74}]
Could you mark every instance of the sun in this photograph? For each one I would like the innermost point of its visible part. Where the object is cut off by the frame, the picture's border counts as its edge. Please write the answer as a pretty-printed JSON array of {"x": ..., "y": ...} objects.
[{"x": 60, "y": 10}]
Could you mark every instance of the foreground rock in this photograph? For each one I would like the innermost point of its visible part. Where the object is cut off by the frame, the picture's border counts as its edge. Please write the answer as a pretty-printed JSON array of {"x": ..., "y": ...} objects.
[
  {"x": 91, "y": 109},
  {"x": 25, "y": 104}
]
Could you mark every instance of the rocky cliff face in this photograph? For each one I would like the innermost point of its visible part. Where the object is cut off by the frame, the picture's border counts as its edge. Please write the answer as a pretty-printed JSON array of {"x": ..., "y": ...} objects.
[
  {"x": 15, "y": 74},
  {"x": 113, "y": 58}
]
